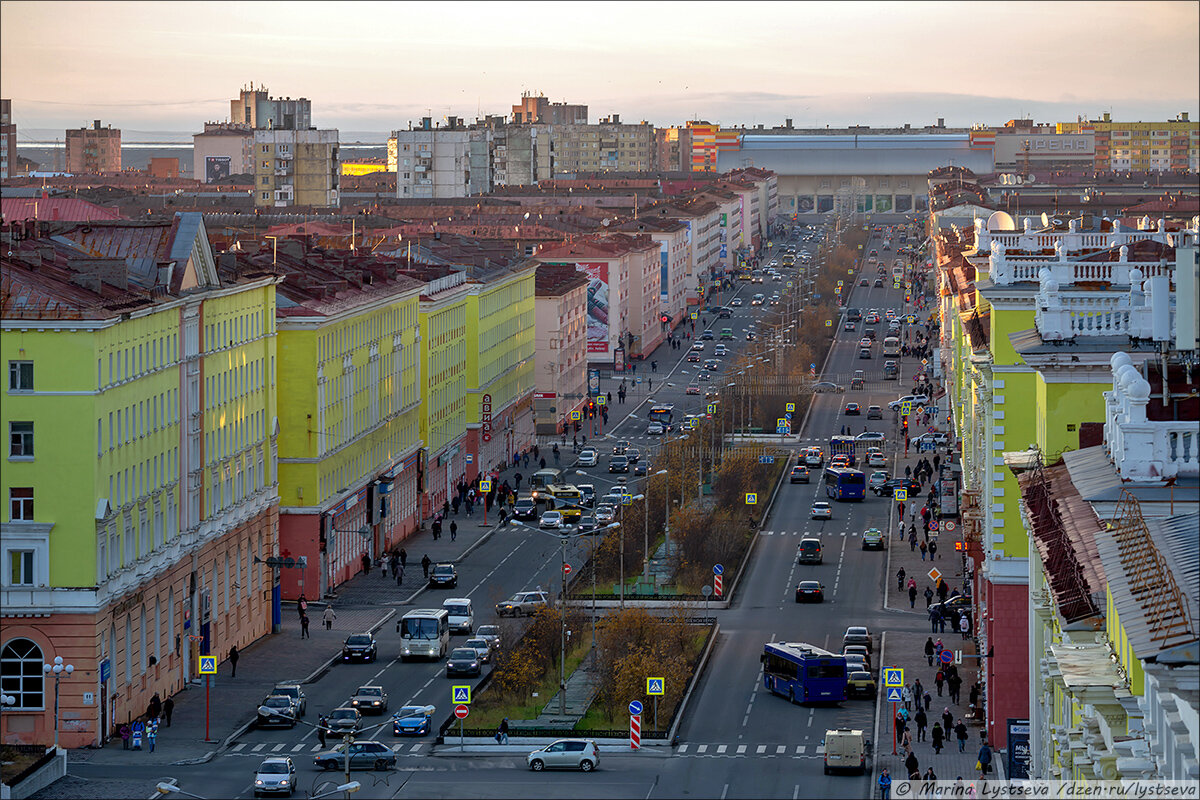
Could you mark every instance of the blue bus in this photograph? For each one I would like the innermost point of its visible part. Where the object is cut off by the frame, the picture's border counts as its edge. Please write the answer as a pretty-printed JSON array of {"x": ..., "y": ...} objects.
[
  {"x": 661, "y": 412},
  {"x": 803, "y": 672},
  {"x": 843, "y": 445},
  {"x": 845, "y": 484}
]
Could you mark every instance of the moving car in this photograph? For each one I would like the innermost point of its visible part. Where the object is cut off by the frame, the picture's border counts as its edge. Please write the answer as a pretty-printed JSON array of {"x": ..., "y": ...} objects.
[
  {"x": 693, "y": 358},
  {"x": 889, "y": 487},
  {"x": 276, "y": 775},
  {"x": 588, "y": 523},
  {"x": 857, "y": 634},
  {"x": 293, "y": 690},
  {"x": 872, "y": 539},
  {"x": 878, "y": 478},
  {"x": 363, "y": 755},
  {"x": 864, "y": 352},
  {"x": 712, "y": 365},
  {"x": 735, "y": 302},
  {"x": 720, "y": 350},
  {"x": 525, "y": 508},
  {"x": 937, "y": 437},
  {"x": 463, "y": 661},
  {"x": 551, "y": 520},
  {"x": 915, "y": 399},
  {"x": 693, "y": 388},
  {"x": 605, "y": 512},
  {"x": 278, "y": 709},
  {"x": 521, "y": 604},
  {"x": 874, "y": 412},
  {"x": 371, "y": 699},
  {"x": 588, "y": 457},
  {"x": 360, "y": 647},
  {"x": 413, "y": 720},
  {"x": 799, "y": 474},
  {"x": 813, "y": 457},
  {"x": 579, "y": 754},
  {"x": 863, "y": 282},
  {"x": 345, "y": 718},
  {"x": 618, "y": 464},
  {"x": 707, "y": 335},
  {"x": 481, "y": 648},
  {"x": 757, "y": 300},
  {"x": 851, "y": 325},
  {"x": 825, "y": 386},
  {"x": 491, "y": 633},
  {"x": 852, "y": 409},
  {"x": 810, "y": 592},
  {"x": 878, "y": 283},
  {"x": 876, "y": 459},
  {"x": 870, "y": 436},
  {"x": 891, "y": 371},
  {"x": 809, "y": 551},
  {"x": 443, "y": 576}
]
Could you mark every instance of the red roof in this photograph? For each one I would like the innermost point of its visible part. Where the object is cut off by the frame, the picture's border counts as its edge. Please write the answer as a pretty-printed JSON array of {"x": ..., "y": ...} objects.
[{"x": 68, "y": 209}]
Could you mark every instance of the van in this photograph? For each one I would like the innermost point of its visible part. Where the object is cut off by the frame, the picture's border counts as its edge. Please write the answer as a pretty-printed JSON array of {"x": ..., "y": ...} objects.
[
  {"x": 845, "y": 749},
  {"x": 461, "y": 614},
  {"x": 891, "y": 346},
  {"x": 543, "y": 478},
  {"x": 809, "y": 551}
]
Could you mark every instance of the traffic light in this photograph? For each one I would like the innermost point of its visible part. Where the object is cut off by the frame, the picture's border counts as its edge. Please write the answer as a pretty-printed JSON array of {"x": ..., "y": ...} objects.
[
  {"x": 664, "y": 319},
  {"x": 904, "y": 423}
]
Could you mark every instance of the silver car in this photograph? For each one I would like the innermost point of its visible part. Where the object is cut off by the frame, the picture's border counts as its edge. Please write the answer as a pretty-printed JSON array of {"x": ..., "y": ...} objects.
[
  {"x": 579, "y": 754},
  {"x": 275, "y": 776}
]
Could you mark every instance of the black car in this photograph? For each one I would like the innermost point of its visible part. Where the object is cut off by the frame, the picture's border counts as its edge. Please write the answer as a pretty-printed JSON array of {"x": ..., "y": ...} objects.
[
  {"x": 878, "y": 283},
  {"x": 278, "y": 709},
  {"x": 360, "y": 647},
  {"x": 443, "y": 576},
  {"x": 724, "y": 313},
  {"x": 954, "y": 606},
  {"x": 525, "y": 508},
  {"x": 853, "y": 314},
  {"x": 810, "y": 592},
  {"x": 463, "y": 661},
  {"x": 344, "y": 718},
  {"x": 889, "y": 488}
]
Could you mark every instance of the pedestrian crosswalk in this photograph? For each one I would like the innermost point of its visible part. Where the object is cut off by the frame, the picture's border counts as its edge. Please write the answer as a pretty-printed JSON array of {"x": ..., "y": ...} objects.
[
  {"x": 811, "y": 533},
  {"x": 264, "y": 748},
  {"x": 749, "y": 750}
]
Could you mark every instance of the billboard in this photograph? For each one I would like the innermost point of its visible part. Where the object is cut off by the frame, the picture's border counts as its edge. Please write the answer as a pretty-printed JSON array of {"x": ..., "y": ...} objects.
[
  {"x": 903, "y": 203},
  {"x": 824, "y": 203},
  {"x": 804, "y": 204},
  {"x": 216, "y": 168},
  {"x": 883, "y": 203},
  {"x": 597, "y": 305},
  {"x": 664, "y": 288}
]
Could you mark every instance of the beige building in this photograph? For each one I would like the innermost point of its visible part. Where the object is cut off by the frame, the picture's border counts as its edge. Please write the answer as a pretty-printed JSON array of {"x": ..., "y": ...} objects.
[
  {"x": 91, "y": 151},
  {"x": 451, "y": 160},
  {"x": 729, "y": 225},
  {"x": 610, "y": 146},
  {"x": 560, "y": 357},
  {"x": 296, "y": 168},
  {"x": 538, "y": 108},
  {"x": 223, "y": 149},
  {"x": 257, "y": 109}
]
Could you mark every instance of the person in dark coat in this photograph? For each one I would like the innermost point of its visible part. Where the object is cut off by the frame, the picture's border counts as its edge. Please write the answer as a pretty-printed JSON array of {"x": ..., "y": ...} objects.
[
  {"x": 366, "y": 564},
  {"x": 929, "y": 650},
  {"x": 425, "y": 562},
  {"x": 322, "y": 724},
  {"x": 960, "y": 733},
  {"x": 937, "y": 738},
  {"x": 922, "y": 721},
  {"x": 155, "y": 708},
  {"x": 233, "y": 659},
  {"x": 912, "y": 765},
  {"x": 168, "y": 710}
]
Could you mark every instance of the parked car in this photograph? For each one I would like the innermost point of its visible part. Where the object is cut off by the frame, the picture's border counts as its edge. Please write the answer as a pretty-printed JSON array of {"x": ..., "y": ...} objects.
[
  {"x": 889, "y": 488},
  {"x": 275, "y": 775},
  {"x": 443, "y": 576},
  {"x": 345, "y": 718},
  {"x": 360, "y": 647},
  {"x": 939, "y": 438},
  {"x": 371, "y": 699},
  {"x": 810, "y": 592},
  {"x": 463, "y": 661},
  {"x": 799, "y": 474},
  {"x": 858, "y": 650},
  {"x": 522, "y": 604},
  {"x": 413, "y": 720},
  {"x": 363, "y": 755},
  {"x": 581, "y": 754},
  {"x": 915, "y": 399},
  {"x": 293, "y": 690},
  {"x": 857, "y": 634},
  {"x": 278, "y": 709},
  {"x": 860, "y": 683}
]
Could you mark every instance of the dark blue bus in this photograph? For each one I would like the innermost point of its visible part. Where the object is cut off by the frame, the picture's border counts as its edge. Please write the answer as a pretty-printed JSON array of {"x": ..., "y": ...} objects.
[
  {"x": 845, "y": 484},
  {"x": 804, "y": 673}
]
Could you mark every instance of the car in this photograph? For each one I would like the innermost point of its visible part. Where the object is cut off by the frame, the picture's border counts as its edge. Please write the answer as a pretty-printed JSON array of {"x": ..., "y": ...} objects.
[
  {"x": 588, "y": 523},
  {"x": 864, "y": 282},
  {"x": 720, "y": 350},
  {"x": 525, "y": 508},
  {"x": 275, "y": 775},
  {"x": 889, "y": 314},
  {"x": 751, "y": 336},
  {"x": 874, "y": 412},
  {"x": 856, "y": 662},
  {"x": 939, "y": 438},
  {"x": 891, "y": 371},
  {"x": 757, "y": 300},
  {"x": 605, "y": 512},
  {"x": 491, "y": 633},
  {"x": 864, "y": 352},
  {"x": 370, "y": 698},
  {"x": 692, "y": 388},
  {"x": 822, "y": 510},
  {"x": 878, "y": 283},
  {"x": 852, "y": 409},
  {"x": 870, "y": 436},
  {"x": 587, "y": 494},
  {"x": 914, "y": 399},
  {"x": 707, "y": 335},
  {"x": 850, "y": 325},
  {"x": 869, "y": 333},
  {"x": 860, "y": 683},
  {"x": 955, "y": 606},
  {"x": 840, "y": 461},
  {"x": 813, "y": 457},
  {"x": 825, "y": 386},
  {"x": 363, "y": 755},
  {"x": 889, "y": 488},
  {"x": 581, "y": 754},
  {"x": 293, "y": 690},
  {"x": 463, "y": 661},
  {"x": 345, "y": 718},
  {"x": 876, "y": 459},
  {"x": 878, "y": 478},
  {"x": 857, "y": 634},
  {"x": 727, "y": 334},
  {"x": 693, "y": 358},
  {"x": 588, "y": 457},
  {"x": 522, "y": 604},
  {"x": 703, "y": 376},
  {"x": 873, "y": 539},
  {"x": 799, "y": 474},
  {"x": 872, "y": 317},
  {"x": 736, "y": 302},
  {"x": 712, "y": 364},
  {"x": 808, "y": 551},
  {"x": 633, "y": 454},
  {"x": 810, "y": 592},
  {"x": 551, "y": 520},
  {"x": 278, "y": 709},
  {"x": 725, "y": 313},
  {"x": 443, "y": 576},
  {"x": 710, "y": 392},
  {"x": 858, "y": 650},
  {"x": 481, "y": 648},
  {"x": 360, "y": 647},
  {"x": 416, "y": 720},
  {"x": 620, "y": 447},
  {"x": 774, "y": 300},
  {"x": 639, "y": 468},
  {"x": 618, "y": 464}
]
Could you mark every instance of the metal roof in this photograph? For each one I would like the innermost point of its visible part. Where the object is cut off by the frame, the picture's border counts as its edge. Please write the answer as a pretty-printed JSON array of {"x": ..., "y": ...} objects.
[{"x": 1098, "y": 481}]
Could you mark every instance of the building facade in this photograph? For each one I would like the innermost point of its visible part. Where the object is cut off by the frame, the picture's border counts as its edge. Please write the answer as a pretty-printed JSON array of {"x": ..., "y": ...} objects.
[
  {"x": 258, "y": 110},
  {"x": 609, "y": 146},
  {"x": 94, "y": 150},
  {"x": 560, "y": 354},
  {"x": 448, "y": 161},
  {"x": 1141, "y": 146},
  {"x": 538, "y": 109},
  {"x": 8, "y": 140},
  {"x": 296, "y": 168},
  {"x": 223, "y": 149}
]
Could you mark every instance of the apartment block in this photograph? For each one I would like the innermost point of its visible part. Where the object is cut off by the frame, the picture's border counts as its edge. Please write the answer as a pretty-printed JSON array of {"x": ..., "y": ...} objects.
[
  {"x": 223, "y": 149},
  {"x": 94, "y": 150},
  {"x": 538, "y": 109},
  {"x": 1157, "y": 146},
  {"x": 8, "y": 140},
  {"x": 258, "y": 110},
  {"x": 610, "y": 146},
  {"x": 560, "y": 371},
  {"x": 296, "y": 168},
  {"x": 442, "y": 162}
]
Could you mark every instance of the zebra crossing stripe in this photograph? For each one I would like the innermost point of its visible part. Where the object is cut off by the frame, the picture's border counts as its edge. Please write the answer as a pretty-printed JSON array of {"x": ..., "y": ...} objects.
[
  {"x": 298, "y": 748},
  {"x": 741, "y": 749},
  {"x": 278, "y": 747},
  {"x": 396, "y": 748},
  {"x": 722, "y": 748},
  {"x": 762, "y": 748},
  {"x": 683, "y": 749},
  {"x": 258, "y": 747},
  {"x": 415, "y": 748},
  {"x": 780, "y": 750},
  {"x": 315, "y": 748},
  {"x": 702, "y": 748},
  {"x": 237, "y": 748},
  {"x": 800, "y": 750}
]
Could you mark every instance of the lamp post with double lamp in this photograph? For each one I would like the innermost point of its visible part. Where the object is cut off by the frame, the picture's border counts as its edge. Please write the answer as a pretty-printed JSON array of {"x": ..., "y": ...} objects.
[
  {"x": 58, "y": 668},
  {"x": 169, "y": 788}
]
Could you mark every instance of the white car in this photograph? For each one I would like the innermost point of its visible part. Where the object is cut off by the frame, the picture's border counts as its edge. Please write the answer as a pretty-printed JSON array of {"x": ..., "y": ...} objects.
[
  {"x": 822, "y": 510},
  {"x": 915, "y": 399},
  {"x": 876, "y": 459},
  {"x": 551, "y": 520},
  {"x": 588, "y": 457},
  {"x": 698, "y": 347},
  {"x": 656, "y": 428},
  {"x": 275, "y": 776},
  {"x": 721, "y": 350}
]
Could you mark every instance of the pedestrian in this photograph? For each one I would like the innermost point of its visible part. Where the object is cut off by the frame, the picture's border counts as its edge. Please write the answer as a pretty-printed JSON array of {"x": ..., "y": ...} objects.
[
  {"x": 403, "y": 558},
  {"x": 932, "y": 549},
  {"x": 900, "y": 580},
  {"x": 304, "y": 627},
  {"x": 906, "y": 742},
  {"x": 929, "y": 775},
  {"x": 383, "y": 566},
  {"x": 984, "y": 762},
  {"x": 918, "y": 689},
  {"x": 425, "y": 562},
  {"x": 912, "y": 595},
  {"x": 922, "y": 720},
  {"x": 542, "y": 463},
  {"x": 906, "y": 695},
  {"x": 940, "y": 680},
  {"x": 954, "y": 683},
  {"x": 937, "y": 737},
  {"x": 974, "y": 694},
  {"x": 155, "y": 708},
  {"x": 453, "y": 530},
  {"x": 947, "y": 720},
  {"x": 394, "y": 563},
  {"x": 912, "y": 540},
  {"x": 929, "y": 650},
  {"x": 322, "y": 724},
  {"x": 924, "y": 548},
  {"x": 960, "y": 733},
  {"x": 885, "y": 785},
  {"x": 912, "y": 765},
  {"x": 301, "y": 605},
  {"x": 445, "y": 508},
  {"x": 928, "y": 700},
  {"x": 964, "y": 625},
  {"x": 935, "y": 619},
  {"x": 928, "y": 596},
  {"x": 502, "y": 733},
  {"x": 152, "y": 732},
  {"x": 233, "y": 659},
  {"x": 937, "y": 649},
  {"x": 126, "y": 732},
  {"x": 328, "y": 617},
  {"x": 366, "y": 564}
]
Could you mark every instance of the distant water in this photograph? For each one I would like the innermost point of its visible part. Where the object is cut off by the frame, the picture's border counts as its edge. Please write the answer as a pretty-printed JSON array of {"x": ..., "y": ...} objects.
[{"x": 51, "y": 156}]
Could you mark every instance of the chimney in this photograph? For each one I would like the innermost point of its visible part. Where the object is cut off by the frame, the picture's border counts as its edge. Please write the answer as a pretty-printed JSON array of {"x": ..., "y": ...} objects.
[
  {"x": 96, "y": 125},
  {"x": 426, "y": 123},
  {"x": 787, "y": 123},
  {"x": 616, "y": 119},
  {"x": 1183, "y": 116},
  {"x": 941, "y": 122}
]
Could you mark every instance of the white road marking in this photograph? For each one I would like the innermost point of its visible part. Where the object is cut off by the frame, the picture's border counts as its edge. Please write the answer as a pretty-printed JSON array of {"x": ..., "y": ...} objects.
[
  {"x": 702, "y": 748},
  {"x": 237, "y": 747},
  {"x": 683, "y": 749},
  {"x": 722, "y": 748},
  {"x": 741, "y": 749},
  {"x": 298, "y": 748},
  {"x": 278, "y": 747},
  {"x": 780, "y": 749},
  {"x": 762, "y": 748},
  {"x": 724, "y": 791},
  {"x": 258, "y": 747},
  {"x": 800, "y": 749}
]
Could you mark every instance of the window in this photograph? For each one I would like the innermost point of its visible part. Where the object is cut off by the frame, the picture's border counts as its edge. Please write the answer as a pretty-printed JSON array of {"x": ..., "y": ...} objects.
[
  {"x": 20, "y": 440},
  {"x": 20, "y": 504},
  {"x": 21, "y": 674},
  {"x": 20, "y": 568},
  {"x": 20, "y": 376}
]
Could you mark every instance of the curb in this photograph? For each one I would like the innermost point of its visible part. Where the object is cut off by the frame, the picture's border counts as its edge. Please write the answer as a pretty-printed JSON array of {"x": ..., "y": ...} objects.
[
  {"x": 712, "y": 641},
  {"x": 486, "y": 535}
]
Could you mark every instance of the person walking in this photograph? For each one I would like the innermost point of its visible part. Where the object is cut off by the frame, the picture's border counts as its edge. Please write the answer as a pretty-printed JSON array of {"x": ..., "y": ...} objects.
[
  {"x": 928, "y": 594},
  {"x": 366, "y": 564},
  {"x": 929, "y": 650},
  {"x": 940, "y": 680},
  {"x": 954, "y": 684},
  {"x": 912, "y": 594},
  {"x": 425, "y": 562},
  {"x": 453, "y": 530},
  {"x": 404, "y": 557},
  {"x": 168, "y": 710},
  {"x": 928, "y": 700},
  {"x": 922, "y": 721},
  {"x": 906, "y": 695},
  {"x": 984, "y": 761},
  {"x": 304, "y": 627},
  {"x": 937, "y": 738},
  {"x": 322, "y": 724},
  {"x": 924, "y": 549},
  {"x": 436, "y": 529},
  {"x": 885, "y": 785},
  {"x": 233, "y": 659},
  {"x": 960, "y": 733},
  {"x": 912, "y": 540},
  {"x": 906, "y": 742},
  {"x": 301, "y": 605},
  {"x": 932, "y": 549},
  {"x": 328, "y": 617},
  {"x": 929, "y": 775},
  {"x": 900, "y": 580},
  {"x": 913, "y": 766},
  {"x": 503, "y": 731},
  {"x": 947, "y": 721},
  {"x": 384, "y": 563},
  {"x": 964, "y": 625}
]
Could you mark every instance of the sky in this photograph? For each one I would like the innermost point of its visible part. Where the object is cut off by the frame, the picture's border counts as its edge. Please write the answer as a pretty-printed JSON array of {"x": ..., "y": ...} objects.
[{"x": 159, "y": 68}]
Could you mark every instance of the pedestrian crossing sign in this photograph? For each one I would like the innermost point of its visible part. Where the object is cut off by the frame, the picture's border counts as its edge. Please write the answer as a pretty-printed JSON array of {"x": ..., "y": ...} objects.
[
  {"x": 461, "y": 694},
  {"x": 893, "y": 695},
  {"x": 695, "y": 315},
  {"x": 655, "y": 686},
  {"x": 751, "y": 498},
  {"x": 574, "y": 416},
  {"x": 485, "y": 486},
  {"x": 906, "y": 407},
  {"x": 900, "y": 495},
  {"x": 600, "y": 400},
  {"x": 893, "y": 677},
  {"x": 790, "y": 408},
  {"x": 208, "y": 665},
  {"x": 712, "y": 408}
]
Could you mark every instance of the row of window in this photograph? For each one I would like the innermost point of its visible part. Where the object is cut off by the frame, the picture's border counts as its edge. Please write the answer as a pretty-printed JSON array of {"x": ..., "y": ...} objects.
[
  {"x": 143, "y": 478},
  {"x": 231, "y": 384},
  {"x": 135, "y": 361},
  {"x": 235, "y": 435},
  {"x": 146, "y": 417},
  {"x": 235, "y": 330}
]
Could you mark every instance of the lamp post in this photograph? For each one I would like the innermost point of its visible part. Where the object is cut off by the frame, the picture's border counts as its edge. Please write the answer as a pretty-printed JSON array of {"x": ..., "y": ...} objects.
[
  {"x": 169, "y": 788},
  {"x": 57, "y": 669},
  {"x": 348, "y": 738}
]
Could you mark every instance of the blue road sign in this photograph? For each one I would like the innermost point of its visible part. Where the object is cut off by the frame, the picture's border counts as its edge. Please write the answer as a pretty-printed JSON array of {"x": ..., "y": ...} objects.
[
  {"x": 718, "y": 569},
  {"x": 766, "y": 459},
  {"x": 654, "y": 686},
  {"x": 787, "y": 415},
  {"x": 470, "y": 458},
  {"x": 461, "y": 694},
  {"x": 893, "y": 695},
  {"x": 946, "y": 656},
  {"x": 893, "y": 677},
  {"x": 635, "y": 707}
]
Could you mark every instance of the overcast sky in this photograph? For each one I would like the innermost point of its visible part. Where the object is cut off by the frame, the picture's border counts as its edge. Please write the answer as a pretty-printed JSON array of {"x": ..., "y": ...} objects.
[{"x": 154, "y": 67}]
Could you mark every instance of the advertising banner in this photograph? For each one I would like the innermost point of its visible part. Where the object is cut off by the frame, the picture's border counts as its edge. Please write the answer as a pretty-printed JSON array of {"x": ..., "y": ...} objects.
[
  {"x": 903, "y": 203},
  {"x": 883, "y": 203},
  {"x": 804, "y": 204},
  {"x": 824, "y": 203},
  {"x": 216, "y": 168},
  {"x": 922, "y": 202},
  {"x": 664, "y": 288},
  {"x": 597, "y": 305},
  {"x": 1018, "y": 749}
]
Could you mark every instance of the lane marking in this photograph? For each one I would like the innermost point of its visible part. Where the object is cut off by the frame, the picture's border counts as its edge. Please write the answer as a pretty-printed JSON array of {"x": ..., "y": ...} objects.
[
  {"x": 741, "y": 748},
  {"x": 762, "y": 748},
  {"x": 237, "y": 748},
  {"x": 278, "y": 747},
  {"x": 259, "y": 747}
]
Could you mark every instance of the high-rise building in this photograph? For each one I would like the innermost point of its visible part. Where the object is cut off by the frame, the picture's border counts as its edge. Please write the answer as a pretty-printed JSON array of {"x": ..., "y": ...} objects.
[
  {"x": 295, "y": 168},
  {"x": 256, "y": 108},
  {"x": 610, "y": 146},
  {"x": 224, "y": 149},
  {"x": 451, "y": 160},
  {"x": 537, "y": 108},
  {"x": 8, "y": 140},
  {"x": 1142, "y": 146},
  {"x": 91, "y": 151}
]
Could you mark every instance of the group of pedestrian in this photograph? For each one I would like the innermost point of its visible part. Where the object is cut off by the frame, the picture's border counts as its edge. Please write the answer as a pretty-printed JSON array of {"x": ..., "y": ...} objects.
[{"x": 143, "y": 731}]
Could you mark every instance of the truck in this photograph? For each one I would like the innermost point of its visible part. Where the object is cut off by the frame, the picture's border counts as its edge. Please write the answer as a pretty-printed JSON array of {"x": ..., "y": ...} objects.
[{"x": 845, "y": 749}]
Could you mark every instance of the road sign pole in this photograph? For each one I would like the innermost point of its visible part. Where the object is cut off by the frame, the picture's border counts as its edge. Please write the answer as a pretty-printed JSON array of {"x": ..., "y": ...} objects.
[
  {"x": 893, "y": 729},
  {"x": 656, "y": 713},
  {"x": 461, "y": 739},
  {"x": 207, "y": 685}
]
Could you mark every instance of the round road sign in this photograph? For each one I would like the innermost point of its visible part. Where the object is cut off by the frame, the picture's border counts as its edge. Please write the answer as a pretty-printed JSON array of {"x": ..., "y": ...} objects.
[
  {"x": 461, "y": 711},
  {"x": 635, "y": 707},
  {"x": 946, "y": 656},
  {"x": 566, "y": 569},
  {"x": 718, "y": 569},
  {"x": 949, "y": 525}
]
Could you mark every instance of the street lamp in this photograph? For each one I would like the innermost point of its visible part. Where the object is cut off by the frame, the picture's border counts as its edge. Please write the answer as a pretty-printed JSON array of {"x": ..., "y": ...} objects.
[
  {"x": 169, "y": 788},
  {"x": 57, "y": 668},
  {"x": 348, "y": 738}
]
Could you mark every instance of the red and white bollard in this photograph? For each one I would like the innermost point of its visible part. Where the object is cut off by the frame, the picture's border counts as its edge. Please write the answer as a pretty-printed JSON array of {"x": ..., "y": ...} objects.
[{"x": 635, "y": 731}]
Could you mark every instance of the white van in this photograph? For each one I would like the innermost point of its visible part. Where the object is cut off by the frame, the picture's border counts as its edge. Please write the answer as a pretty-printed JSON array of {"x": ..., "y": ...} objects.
[
  {"x": 461, "y": 614},
  {"x": 845, "y": 749},
  {"x": 424, "y": 632},
  {"x": 891, "y": 346}
]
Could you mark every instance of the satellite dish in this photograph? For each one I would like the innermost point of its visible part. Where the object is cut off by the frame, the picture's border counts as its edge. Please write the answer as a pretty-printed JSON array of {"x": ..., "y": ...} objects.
[
  {"x": 1045, "y": 220},
  {"x": 605, "y": 222},
  {"x": 1001, "y": 221}
]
